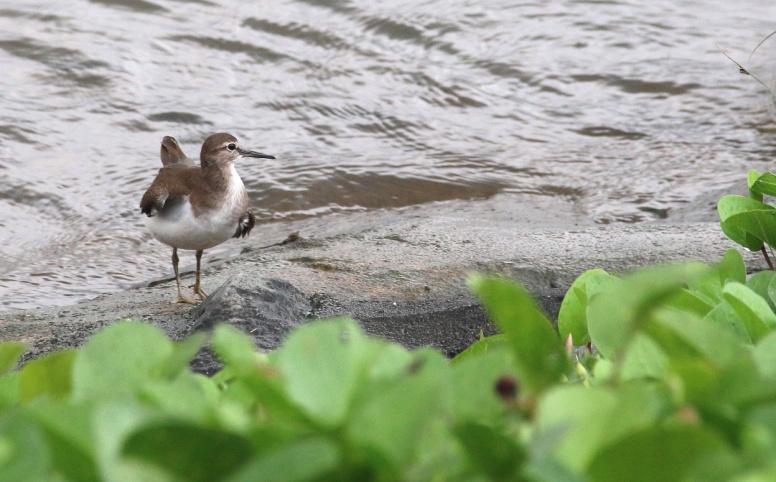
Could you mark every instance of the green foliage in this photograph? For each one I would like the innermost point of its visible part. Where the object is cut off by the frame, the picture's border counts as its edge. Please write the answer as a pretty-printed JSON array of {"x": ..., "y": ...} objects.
[
  {"x": 749, "y": 221},
  {"x": 673, "y": 378},
  {"x": 572, "y": 318},
  {"x": 537, "y": 349}
]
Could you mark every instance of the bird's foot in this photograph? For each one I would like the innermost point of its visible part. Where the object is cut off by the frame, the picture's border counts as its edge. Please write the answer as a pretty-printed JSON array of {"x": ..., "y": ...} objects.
[
  {"x": 185, "y": 299},
  {"x": 199, "y": 292}
]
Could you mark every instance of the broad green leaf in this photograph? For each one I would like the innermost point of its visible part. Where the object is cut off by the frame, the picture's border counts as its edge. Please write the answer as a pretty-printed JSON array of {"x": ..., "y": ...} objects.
[
  {"x": 664, "y": 453},
  {"x": 732, "y": 267},
  {"x": 747, "y": 221},
  {"x": 182, "y": 353},
  {"x": 234, "y": 348},
  {"x": 751, "y": 179},
  {"x": 584, "y": 418},
  {"x": 538, "y": 352},
  {"x": 187, "y": 451},
  {"x": 616, "y": 314},
  {"x": 572, "y": 317},
  {"x": 186, "y": 397},
  {"x": 385, "y": 361},
  {"x": 708, "y": 288},
  {"x": 692, "y": 301},
  {"x": 321, "y": 364},
  {"x": 119, "y": 359},
  {"x": 765, "y": 355},
  {"x": 112, "y": 422},
  {"x": 643, "y": 359},
  {"x": 10, "y": 352},
  {"x": 9, "y": 389},
  {"x": 49, "y": 375},
  {"x": 742, "y": 385},
  {"x": 724, "y": 316},
  {"x": 759, "y": 434},
  {"x": 764, "y": 184},
  {"x": 68, "y": 432},
  {"x": 392, "y": 417},
  {"x": 764, "y": 284},
  {"x": 306, "y": 459},
  {"x": 698, "y": 337},
  {"x": 474, "y": 382},
  {"x": 482, "y": 346},
  {"x": 490, "y": 451},
  {"x": 752, "y": 310},
  {"x": 24, "y": 454}
]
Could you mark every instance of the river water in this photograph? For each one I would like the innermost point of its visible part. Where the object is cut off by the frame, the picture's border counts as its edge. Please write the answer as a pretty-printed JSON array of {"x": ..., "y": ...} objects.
[{"x": 625, "y": 108}]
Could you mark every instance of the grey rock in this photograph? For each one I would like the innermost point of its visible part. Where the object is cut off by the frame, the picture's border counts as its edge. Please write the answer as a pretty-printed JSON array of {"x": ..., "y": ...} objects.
[{"x": 267, "y": 309}]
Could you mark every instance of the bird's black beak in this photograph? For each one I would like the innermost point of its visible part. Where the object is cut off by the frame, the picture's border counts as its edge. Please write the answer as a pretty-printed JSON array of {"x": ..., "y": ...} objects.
[{"x": 245, "y": 153}]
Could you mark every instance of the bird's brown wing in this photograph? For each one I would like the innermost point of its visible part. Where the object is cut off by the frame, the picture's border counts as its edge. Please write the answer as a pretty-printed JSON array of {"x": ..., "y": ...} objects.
[
  {"x": 244, "y": 225},
  {"x": 172, "y": 154},
  {"x": 169, "y": 184}
]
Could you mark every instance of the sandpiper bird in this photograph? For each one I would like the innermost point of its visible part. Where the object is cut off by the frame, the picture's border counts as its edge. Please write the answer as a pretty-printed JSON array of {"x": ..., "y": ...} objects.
[{"x": 198, "y": 207}]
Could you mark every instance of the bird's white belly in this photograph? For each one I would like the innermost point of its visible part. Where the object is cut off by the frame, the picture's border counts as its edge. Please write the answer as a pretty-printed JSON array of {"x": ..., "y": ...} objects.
[{"x": 179, "y": 228}]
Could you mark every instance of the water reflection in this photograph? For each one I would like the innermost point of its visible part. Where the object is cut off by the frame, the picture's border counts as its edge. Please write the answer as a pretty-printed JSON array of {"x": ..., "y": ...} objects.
[{"x": 627, "y": 109}]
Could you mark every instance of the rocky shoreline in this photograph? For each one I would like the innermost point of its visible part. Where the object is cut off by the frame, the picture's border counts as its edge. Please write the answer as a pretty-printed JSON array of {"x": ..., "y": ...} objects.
[{"x": 400, "y": 272}]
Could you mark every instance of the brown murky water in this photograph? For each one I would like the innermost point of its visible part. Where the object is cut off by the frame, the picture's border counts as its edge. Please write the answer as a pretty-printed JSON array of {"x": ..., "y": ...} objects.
[{"x": 624, "y": 107}]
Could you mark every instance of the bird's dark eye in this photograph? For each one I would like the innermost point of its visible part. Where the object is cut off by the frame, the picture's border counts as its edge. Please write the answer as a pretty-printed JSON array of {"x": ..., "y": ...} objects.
[{"x": 232, "y": 146}]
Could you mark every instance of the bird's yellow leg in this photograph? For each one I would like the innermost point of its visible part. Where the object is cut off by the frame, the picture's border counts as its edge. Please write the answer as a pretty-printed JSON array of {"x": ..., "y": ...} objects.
[
  {"x": 197, "y": 288},
  {"x": 181, "y": 297}
]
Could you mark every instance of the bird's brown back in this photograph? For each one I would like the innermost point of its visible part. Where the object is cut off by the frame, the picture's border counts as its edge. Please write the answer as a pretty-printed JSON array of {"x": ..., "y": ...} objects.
[{"x": 205, "y": 187}]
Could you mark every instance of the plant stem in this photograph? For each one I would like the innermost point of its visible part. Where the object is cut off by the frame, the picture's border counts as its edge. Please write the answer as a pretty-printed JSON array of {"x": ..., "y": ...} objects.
[{"x": 767, "y": 258}]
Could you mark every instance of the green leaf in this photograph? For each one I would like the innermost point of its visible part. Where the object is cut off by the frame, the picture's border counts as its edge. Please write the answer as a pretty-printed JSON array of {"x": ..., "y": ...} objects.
[
  {"x": 391, "y": 417},
  {"x": 490, "y": 451},
  {"x": 321, "y": 364},
  {"x": 751, "y": 179},
  {"x": 119, "y": 359},
  {"x": 708, "y": 288},
  {"x": 68, "y": 431},
  {"x": 187, "y": 451},
  {"x": 764, "y": 284},
  {"x": 643, "y": 359},
  {"x": 724, "y": 316},
  {"x": 615, "y": 315},
  {"x": 182, "y": 354},
  {"x": 539, "y": 354},
  {"x": 697, "y": 337},
  {"x": 24, "y": 454},
  {"x": 49, "y": 375},
  {"x": 764, "y": 184},
  {"x": 112, "y": 423},
  {"x": 10, "y": 352},
  {"x": 691, "y": 301},
  {"x": 732, "y": 267},
  {"x": 235, "y": 348},
  {"x": 572, "y": 317},
  {"x": 765, "y": 355},
  {"x": 474, "y": 382},
  {"x": 746, "y": 221},
  {"x": 186, "y": 397},
  {"x": 664, "y": 453},
  {"x": 482, "y": 346},
  {"x": 587, "y": 419},
  {"x": 751, "y": 308},
  {"x": 9, "y": 389},
  {"x": 307, "y": 459}
]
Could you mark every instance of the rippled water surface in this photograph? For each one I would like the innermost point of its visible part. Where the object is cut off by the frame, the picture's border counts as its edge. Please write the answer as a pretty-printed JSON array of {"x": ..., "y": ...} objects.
[{"x": 625, "y": 108}]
